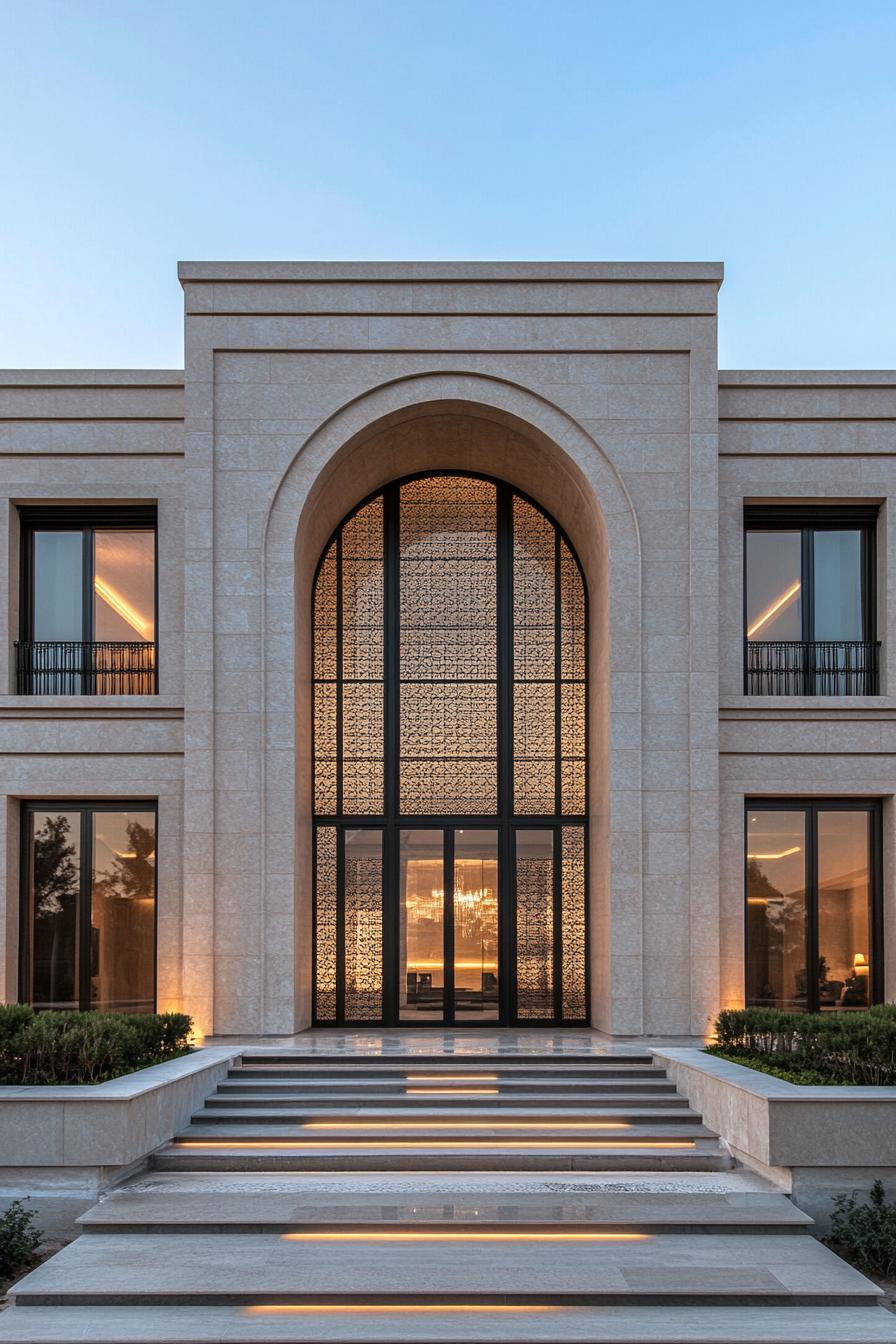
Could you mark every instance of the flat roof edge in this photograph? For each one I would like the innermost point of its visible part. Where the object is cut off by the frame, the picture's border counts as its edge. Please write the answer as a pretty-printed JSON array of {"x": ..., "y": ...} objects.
[
  {"x": 91, "y": 377},
  {"x": 807, "y": 377},
  {"x": 327, "y": 271}
]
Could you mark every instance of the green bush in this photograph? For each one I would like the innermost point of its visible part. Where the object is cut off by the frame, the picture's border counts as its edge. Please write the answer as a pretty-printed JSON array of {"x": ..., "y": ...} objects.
[
  {"x": 865, "y": 1234},
  {"x": 849, "y": 1048},
  {"x": 58, "y": 1047},
  {"x": 19, "y": 1240}
]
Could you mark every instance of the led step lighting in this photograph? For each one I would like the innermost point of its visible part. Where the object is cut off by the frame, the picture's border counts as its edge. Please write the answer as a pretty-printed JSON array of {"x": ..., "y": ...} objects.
[
  {"x": 360, "y": 1145},
  {"x": 466, "y": 1236},
  {"x": 378, "y": 1126}
]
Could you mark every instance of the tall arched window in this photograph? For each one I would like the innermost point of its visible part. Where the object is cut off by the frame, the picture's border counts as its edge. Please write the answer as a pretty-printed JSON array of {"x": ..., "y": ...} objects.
[{"x": 450, "y": 788}]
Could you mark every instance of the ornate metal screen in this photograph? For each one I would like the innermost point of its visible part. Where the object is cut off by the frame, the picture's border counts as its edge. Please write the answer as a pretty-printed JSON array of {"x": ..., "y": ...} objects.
[{"x": 450, "y": 691}]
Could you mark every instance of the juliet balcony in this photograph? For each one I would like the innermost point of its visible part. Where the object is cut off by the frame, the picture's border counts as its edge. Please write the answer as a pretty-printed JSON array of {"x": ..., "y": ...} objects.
[
  {"x": 812, "y": 667},
  {"x": 79, "y": 667}
]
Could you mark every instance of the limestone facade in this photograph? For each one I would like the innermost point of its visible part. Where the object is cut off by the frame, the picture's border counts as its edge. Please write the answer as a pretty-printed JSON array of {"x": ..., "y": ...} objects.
[{"x": 595, "y": 388}]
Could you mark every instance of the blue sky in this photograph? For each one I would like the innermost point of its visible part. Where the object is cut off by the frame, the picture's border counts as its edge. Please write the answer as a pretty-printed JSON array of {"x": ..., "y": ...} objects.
[{"x": 137, "y": 133}]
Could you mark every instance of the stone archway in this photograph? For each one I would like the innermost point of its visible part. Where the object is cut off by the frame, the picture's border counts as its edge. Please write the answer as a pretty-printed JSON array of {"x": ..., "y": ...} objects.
[{"x": 438, "y": 422}]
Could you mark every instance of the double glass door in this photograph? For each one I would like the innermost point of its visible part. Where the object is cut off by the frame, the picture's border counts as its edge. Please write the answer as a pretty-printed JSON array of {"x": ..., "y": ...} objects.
[{"x": 448, "y": 934}]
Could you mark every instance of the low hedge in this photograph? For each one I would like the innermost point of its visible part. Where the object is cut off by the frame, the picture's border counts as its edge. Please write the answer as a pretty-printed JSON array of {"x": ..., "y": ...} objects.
[
  {"x": 848, "y": 1048},
  {"x": 60, "y": 1047}
]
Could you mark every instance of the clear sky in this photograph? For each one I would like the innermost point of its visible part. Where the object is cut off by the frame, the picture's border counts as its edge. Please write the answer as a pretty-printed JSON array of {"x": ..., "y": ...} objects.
[{"x": 139, "y": 132}]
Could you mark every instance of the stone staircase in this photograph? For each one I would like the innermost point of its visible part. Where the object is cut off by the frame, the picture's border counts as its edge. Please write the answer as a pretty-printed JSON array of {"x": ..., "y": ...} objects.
[{"x": 495, "y": 1197}]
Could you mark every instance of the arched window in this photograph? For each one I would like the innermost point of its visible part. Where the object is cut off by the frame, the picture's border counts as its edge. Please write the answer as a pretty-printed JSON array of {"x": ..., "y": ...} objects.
[{"x": 450, "y": 786}]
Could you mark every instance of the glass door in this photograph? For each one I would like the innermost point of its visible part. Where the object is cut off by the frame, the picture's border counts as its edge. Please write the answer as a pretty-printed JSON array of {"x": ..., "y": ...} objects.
[{"x": 448, "y": 929}]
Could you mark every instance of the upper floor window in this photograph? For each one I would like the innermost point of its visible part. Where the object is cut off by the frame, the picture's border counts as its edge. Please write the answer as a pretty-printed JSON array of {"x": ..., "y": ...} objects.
[
  {"x": 88, "y": 602},
  {"x": 809, "y": 601}
]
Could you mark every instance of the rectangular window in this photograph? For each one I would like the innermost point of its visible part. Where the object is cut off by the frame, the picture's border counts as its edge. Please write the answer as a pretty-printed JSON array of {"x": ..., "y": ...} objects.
[
  {"x": 89, "y": 906},
  {"x": 88, "y": 608},
  {"x": 809, "y": 625},
  {"x": 813, "y": 901}
]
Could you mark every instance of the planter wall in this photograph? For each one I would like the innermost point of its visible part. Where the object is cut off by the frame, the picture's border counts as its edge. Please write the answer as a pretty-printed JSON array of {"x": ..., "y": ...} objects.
[
  {"x": 76, "y": 1141},
  {"x": 815, "y": 1142}
]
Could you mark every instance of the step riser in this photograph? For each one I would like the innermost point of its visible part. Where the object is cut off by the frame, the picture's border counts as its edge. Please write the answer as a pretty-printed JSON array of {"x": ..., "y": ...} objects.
[
  {"x": 439, "y": 1161},
  {"x": 400, "y": 1075},
  {"x": 609, "y": 1299},
  {"x": 249, "y": 1115},
  {"x": 332, "y": 1101},
  {"x": 653, "y": 1228}
]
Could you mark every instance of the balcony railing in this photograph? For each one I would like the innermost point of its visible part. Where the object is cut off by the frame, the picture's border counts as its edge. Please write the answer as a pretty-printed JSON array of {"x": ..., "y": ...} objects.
[
  {"x": 812, "y": 667},
  {"x": 72, "y": 667}
]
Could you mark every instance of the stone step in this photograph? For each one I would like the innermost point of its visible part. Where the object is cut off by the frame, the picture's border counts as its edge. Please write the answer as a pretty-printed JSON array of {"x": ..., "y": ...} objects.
[
  {"x": 508, "y": 1120},
  {"x": 597, "y": 1073},
  {"x": 345, "y": 1268},
  {"x": 244, "y": 1096},
  {"x": 235, "y": 1155},
  {"x": 440, "y": 1060},
  {"x": 487, "y": 1129},
  {"x": 199, "y": 1210},
  {"x": 626, "y": 1324}
]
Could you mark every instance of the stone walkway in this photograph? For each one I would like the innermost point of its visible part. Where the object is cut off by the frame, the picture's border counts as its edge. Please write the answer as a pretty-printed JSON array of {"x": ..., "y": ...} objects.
[{"x": 501, "y": 1187}]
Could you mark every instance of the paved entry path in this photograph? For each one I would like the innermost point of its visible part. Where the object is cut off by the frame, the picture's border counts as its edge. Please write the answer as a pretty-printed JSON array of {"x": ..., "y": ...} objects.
[{"x": 502, "y": 1187}]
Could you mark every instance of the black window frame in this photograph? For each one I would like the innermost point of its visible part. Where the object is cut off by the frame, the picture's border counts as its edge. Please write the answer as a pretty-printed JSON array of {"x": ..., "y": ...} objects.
[
  {"x": 811, "y": 807},
  {"x": 86, "y": 520},
  {"x": 86, "y": 807}
]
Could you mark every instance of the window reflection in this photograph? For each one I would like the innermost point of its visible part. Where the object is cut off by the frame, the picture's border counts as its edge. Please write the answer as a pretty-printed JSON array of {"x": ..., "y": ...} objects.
[
  {"x": 774, "y": 585},
  {"x": 54, "y": 890},
  {"x": 776, "y": 910},
  {"x": 122, "y": 912}
]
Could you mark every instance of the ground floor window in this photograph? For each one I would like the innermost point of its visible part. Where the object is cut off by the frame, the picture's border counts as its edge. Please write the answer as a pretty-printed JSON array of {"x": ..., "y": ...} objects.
[
  {"x": 89, "y": 906},
  {"x": 813, "y": 900}
]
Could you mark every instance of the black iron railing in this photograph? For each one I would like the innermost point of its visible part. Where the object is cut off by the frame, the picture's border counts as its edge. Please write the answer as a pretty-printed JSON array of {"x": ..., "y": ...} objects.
[
  {"x": 812, "y": 667},
  {"x": 73, "y": 667}
]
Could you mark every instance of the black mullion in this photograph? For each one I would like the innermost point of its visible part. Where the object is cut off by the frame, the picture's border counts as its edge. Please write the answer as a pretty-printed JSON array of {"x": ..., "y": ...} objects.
[
  {"x": 558, "y": 687},
  {"x": 505, "y": 671},
  {"x": 391, "y": 650},
  {"x": 85, "y": 913},
  {"x": 556, "y": 939},
  {"x": 340, "y": 925},
  {"x": 811, "y": 832},
  {"x": 340, "y": 680},
  {"x": 390, "y": 902},
  {"x": 807, "y": 592},
  {"x": 448, "y": 926},
  {"x": 87, "y": 679},
  {"x": 876, "y": 913}
]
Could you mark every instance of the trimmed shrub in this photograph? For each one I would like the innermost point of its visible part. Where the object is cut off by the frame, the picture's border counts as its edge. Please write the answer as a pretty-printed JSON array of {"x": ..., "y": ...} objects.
[
  {"x": 60, "y": 1047},
  {"x": 19, "y": 1240},
  {"x": 848, "y": 1048},
  {"x": 865, "y": 1234}
]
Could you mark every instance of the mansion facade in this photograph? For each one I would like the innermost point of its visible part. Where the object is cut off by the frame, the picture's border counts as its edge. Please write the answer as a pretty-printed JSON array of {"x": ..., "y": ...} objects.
[{"x": 448, "y": 644}]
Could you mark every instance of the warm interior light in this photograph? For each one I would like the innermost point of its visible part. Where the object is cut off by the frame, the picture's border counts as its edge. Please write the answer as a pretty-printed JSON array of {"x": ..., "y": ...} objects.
[
  {"x": 458, "y": 1235},
  {"x": 123, "y": 609},
  {"x": 465, "y": 1124},
  {"x": 859, "y": 964},
  {"x": 451, "y": 1077},
  {"x": 284, "y": 1308},
  {"x": 784, "y": 854},
  {"x": 626, "y": 1145},
  {"x": 779, "y": 604}
]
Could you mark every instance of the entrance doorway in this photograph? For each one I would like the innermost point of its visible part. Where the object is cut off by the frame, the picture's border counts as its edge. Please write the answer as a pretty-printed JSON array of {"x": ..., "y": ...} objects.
[{"x": 449, "y": 762}]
